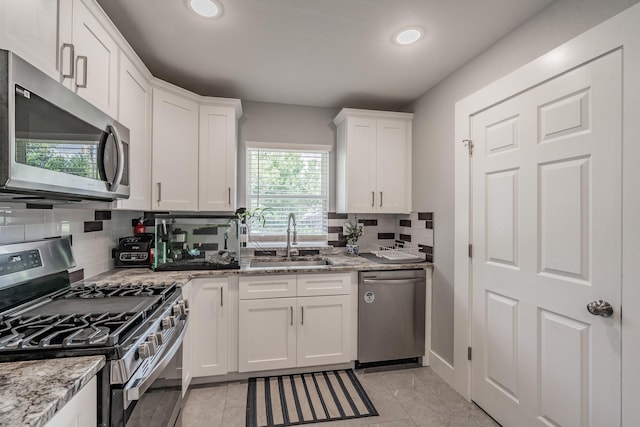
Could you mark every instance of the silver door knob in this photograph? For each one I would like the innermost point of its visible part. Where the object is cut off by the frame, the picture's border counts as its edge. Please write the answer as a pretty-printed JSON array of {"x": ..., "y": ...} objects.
[{"x": 600, "y": 308}]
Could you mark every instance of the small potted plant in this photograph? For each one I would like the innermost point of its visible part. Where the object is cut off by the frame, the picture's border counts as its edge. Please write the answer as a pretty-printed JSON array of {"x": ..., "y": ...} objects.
[{"x": 352, "y": 231}]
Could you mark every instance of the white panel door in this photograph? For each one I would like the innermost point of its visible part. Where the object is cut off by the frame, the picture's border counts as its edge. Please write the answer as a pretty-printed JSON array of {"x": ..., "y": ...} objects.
[
  {"x": 135, "y": 109},
  {"x": 361, "y": 165},
  {"x": 209, "y": 318},
  {"x": 217, "y": 158},
  {"x": 546, "y": 172},
  {"x": 266, "y": 334},
  {"x": 391, "y": 160},
  {"x": 175, "y": 152},
  {"x": 323, "y": 330},
  {"x": 96, "y": 63}
]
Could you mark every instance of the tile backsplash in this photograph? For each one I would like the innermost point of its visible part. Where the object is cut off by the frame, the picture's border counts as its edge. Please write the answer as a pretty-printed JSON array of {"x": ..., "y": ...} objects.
[
  {"x": 386, "y": 229},
  {"x": 94, "y": 232}
]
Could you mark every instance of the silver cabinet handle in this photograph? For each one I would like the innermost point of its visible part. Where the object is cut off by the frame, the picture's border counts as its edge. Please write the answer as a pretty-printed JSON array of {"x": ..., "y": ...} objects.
[
  {"x": 302, "y": 315},
  {"x": 600, "y": 308},
  {"x": 291, "y": 314},
  {"x": 229, "y": 196},
  {"x": 159, "y": 192},
  {"x": 221, "y": 297},
  {"x": 84, "y": 60},
  {"x": 72, "y": 54},
  {"x": 373, "y": 198},
  {"x": 381, "y": 199}
]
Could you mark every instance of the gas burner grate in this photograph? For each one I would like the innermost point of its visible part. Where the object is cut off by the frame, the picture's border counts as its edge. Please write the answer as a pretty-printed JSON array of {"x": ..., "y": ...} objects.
[
  {"x": 105, "y": 290},
  {"x": 66, "y": 331}
]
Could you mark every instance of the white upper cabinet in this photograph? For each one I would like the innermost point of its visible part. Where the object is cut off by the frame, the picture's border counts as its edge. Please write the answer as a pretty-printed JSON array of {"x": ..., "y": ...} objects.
[
  {"x": 30, "y": 29},
  {"x": 373, "y": 173},
  {"x": 95, "y": 76},
  {"x": 217, "y": 158},
  {"x": 134, "y": 113},
  {"x": 175, "y": 152},
  {"x": 66, "y": 41}
]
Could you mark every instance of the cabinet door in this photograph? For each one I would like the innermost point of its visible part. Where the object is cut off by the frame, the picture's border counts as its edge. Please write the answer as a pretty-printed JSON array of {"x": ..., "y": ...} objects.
[
  {"x": 187, "y": 342},
  {"x": 267, "y": 334},
  {"x": 209, "y": 314},
  {"x": 361, "y": 162},
  {"x": 81, "y": 410},
  {"x": 324, "y": 330},
  {"x": 134, "y": 102},
  {"x": 218, "y": 140},
  {"x": 175, "y": 152},
  {"x": 96, "y": 61},
  {"x": 30, "y": 29},
  {"x": 393, "y": 166}
]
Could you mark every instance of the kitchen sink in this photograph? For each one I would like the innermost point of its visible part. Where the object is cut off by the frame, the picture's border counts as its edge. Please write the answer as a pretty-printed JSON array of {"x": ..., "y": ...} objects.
[{"x": 288, "y": 262}]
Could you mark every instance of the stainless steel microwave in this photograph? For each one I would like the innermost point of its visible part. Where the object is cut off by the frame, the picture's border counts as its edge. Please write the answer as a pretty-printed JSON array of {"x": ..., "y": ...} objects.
[{"x": 53, "y": 143}]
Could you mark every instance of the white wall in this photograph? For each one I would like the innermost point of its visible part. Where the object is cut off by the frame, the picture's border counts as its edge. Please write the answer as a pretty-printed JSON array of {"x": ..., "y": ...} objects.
[
  {"x": 433, "y": 131},
  {"x": 266, "y": 122}
]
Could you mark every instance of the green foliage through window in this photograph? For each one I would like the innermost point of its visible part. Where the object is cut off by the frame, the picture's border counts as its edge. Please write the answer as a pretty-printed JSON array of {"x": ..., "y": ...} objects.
[{"x": 289, "y": 181}]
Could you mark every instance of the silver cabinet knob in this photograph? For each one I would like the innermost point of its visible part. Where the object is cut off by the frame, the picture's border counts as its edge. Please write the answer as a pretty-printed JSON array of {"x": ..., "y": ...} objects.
[{"x": 600, "y": 308}]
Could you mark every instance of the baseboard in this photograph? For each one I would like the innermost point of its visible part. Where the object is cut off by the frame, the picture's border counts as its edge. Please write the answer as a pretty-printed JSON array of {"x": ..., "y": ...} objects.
[{"x": 441, "y": 367}]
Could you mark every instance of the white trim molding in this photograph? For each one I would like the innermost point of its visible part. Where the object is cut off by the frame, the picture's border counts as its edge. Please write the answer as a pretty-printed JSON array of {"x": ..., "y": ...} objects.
[{"x": 619, "y": 32}]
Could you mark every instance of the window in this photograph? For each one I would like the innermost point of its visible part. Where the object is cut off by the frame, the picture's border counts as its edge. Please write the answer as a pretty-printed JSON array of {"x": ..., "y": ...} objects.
[{"x": 286, "y": 179}]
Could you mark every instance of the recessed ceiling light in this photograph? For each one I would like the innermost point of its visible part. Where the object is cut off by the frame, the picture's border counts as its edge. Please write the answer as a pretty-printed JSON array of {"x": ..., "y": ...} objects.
[
  {"x": 206, "y": 8},
  {"x": 409, "y": 35}
]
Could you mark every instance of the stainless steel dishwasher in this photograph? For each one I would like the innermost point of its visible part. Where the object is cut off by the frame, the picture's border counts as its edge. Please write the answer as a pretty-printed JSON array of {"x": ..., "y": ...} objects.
[{"x": 391, "y": 315}]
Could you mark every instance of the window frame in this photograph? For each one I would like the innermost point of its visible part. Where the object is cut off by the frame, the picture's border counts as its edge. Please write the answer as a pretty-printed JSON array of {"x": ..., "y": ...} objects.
[{"x": 287, "y": 147}]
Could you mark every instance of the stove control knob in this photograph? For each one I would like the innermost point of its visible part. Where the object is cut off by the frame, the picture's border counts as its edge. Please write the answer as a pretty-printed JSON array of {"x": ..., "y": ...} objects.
[
  {"x": 184, "y": 306},
  {"x": 179, "y": 309},
  {"x": 153, "y": 340},
  {"x": 168, "y": 322},
  {"x": 145, "y": 350},
  {"x": 157, "y": 338}
]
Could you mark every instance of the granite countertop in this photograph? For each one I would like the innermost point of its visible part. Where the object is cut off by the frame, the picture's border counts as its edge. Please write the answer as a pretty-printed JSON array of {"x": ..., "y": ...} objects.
[
  {"x": 337, "y": 263},
  {"x": 31, "y": 392}
]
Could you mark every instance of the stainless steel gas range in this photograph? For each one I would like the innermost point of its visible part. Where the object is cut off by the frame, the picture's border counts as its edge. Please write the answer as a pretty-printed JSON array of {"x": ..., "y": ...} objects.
[{"x": 138, "y": 327}]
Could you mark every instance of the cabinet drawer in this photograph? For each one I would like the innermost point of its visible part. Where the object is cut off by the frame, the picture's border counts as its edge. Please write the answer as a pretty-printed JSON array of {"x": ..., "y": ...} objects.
[
  {"x": 323, "y": 284},
  {"x": 259, "y": 287}
]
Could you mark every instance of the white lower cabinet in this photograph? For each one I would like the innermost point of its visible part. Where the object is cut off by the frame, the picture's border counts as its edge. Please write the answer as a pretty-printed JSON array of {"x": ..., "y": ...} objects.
[
  {"x": 323, "y": 330},
  {"x": 209, "y": 317},
  {"x": 279, "y": 333},
  {"x": 267, "y": 332},
  {"x": 80, "y": 411}
]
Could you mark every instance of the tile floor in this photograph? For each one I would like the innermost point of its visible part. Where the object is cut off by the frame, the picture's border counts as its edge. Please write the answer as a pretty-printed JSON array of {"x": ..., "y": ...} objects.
[{"x": 404, "y": 398}]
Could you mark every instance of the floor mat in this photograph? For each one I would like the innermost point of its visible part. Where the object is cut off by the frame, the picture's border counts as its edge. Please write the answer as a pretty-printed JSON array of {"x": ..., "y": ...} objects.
[{"x": 289, "y": 400}]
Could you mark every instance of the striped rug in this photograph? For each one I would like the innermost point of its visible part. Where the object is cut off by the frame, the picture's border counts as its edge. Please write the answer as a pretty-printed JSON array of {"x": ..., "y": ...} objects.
[{"x": 288, "y": 400}]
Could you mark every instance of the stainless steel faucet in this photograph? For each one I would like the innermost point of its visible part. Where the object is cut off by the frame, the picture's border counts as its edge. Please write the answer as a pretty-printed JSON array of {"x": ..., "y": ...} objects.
[{"x": 295, "y": 234}]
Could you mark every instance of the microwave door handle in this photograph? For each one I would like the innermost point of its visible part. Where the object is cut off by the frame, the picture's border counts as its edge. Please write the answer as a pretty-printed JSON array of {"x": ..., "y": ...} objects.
[{"x": 120, "y": 152}]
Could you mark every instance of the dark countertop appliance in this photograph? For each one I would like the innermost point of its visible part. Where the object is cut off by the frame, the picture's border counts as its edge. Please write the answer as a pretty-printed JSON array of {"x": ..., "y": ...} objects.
[
  {"x": 135, "y": 251},
  {"x": 138, "y": 327}
]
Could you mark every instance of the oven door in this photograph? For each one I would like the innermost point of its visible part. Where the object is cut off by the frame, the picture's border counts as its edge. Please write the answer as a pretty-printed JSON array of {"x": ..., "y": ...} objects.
[{"x": 153, "y": 396}]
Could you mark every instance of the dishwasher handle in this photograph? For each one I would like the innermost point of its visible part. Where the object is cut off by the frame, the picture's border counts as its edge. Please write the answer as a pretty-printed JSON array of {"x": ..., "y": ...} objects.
[{"x": 393, "y": 281}]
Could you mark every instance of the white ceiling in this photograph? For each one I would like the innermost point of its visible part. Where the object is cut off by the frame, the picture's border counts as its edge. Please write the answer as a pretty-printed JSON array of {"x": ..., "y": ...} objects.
[{"x": 329, "y": 53}]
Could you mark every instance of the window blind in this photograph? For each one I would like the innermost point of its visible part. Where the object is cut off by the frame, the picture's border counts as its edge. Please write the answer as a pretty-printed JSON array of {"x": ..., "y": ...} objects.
[{"x": 289, "y": 181}]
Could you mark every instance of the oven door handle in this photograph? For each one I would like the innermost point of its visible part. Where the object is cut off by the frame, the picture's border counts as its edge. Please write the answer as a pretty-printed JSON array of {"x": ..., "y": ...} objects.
[{"x": 141, "y": 385}]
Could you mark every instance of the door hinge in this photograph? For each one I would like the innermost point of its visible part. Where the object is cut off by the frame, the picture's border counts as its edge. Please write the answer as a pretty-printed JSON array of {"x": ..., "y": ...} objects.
[
  {"x": 469, "y": 145},
  {"x": 470, "y": 250},
  {"x": 468, "y": 353}
]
